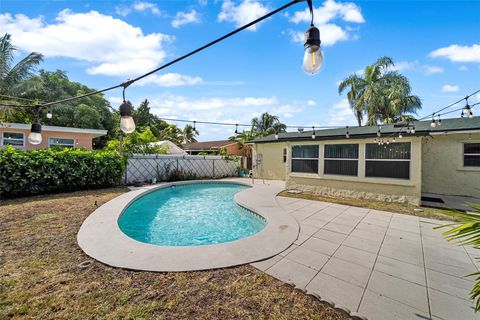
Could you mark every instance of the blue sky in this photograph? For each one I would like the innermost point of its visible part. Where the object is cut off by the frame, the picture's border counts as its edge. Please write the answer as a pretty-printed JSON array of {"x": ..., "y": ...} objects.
[{"x": 436, "y": 44}]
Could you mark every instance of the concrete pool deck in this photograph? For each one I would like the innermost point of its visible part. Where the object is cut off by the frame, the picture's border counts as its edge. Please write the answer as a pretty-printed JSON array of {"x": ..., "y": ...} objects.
[
  {"x": 101, "y": 238},
  {"x": 376, "y": 264}
]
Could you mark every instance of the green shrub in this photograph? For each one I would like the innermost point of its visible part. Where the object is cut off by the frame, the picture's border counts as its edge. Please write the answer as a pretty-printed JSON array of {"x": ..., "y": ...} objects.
[{"x": 24, "y": 173}]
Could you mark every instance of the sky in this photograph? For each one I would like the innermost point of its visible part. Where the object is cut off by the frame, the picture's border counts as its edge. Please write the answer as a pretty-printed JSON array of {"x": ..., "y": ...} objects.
[{"x": 436, "y": 44}]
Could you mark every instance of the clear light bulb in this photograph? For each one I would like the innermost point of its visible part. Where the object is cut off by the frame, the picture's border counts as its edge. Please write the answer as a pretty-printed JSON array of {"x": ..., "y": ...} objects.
[
  {"x": 127, "y": 124},
  {"x": 35, "y": 138},
  {"x": 49, "y": 114},
  {"x": 312, "y": 59},
  {"x": 433, "y": 124}
]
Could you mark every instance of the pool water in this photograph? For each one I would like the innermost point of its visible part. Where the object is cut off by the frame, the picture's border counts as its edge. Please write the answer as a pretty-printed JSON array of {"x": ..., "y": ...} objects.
[{"x": 190, "y": 215}]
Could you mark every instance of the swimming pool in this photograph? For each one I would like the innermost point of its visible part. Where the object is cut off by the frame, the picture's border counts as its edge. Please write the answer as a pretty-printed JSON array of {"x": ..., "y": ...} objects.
[{"x": 190, "y": 215}]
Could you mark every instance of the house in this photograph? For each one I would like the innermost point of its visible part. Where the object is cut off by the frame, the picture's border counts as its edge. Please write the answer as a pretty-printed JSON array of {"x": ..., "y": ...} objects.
[
  {"x": 16, "y": 134},
  {"x": 232, "y": 148},
  {"x": 375, "y": 162}
]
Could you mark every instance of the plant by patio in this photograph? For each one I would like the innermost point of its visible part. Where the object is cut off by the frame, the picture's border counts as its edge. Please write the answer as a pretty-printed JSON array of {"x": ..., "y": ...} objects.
[
  {"x": 467, "y": 232},
  {"x": 24, "y": 173}
]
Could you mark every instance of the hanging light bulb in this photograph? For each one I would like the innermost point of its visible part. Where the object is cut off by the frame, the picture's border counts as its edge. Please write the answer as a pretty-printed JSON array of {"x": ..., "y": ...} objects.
[
  {"x": 388, "y": 141},
  {"x": 433, "y": 124},
  {"x": 379, "y": 133},
  {"x": 412, "y": 131},
  {"x": 313, "y": 133},
  {"x": 236, "y": 128},
  {"x": 194, "y": 125},
  {"x": 400, "y": 135},
  {"x": 347, "y": 135},
  {"x": 312, "y": 58},
  {"x": 276, "y": 135},
  {"x": 467, "y": 110},
  {"x": 439, "y": 122},
  {"x": 49, "y": 114},
  {"x": 127, "y": 124},
  {"x": 35, "y": 136},
  {"x": 393, "y": 140},
  {"x": 300, "y": 130}
]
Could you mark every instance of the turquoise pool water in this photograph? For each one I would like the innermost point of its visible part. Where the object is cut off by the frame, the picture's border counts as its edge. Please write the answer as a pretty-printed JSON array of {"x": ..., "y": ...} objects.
[{"x": 190, "y": 215}]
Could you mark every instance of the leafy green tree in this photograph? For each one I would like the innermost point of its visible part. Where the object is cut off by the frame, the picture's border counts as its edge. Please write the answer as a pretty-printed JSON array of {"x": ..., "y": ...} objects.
[
  {"x": 244, "y": 138},
  {"x": 144, "y": 119},
  {"x": 137, "y": 142},
  {"x": 267, "y": 124},
  {"x": 189, "y": 134},
  {"x": 172, "y": 133},
  {"x": 11, "y": 74},
  {"x": 467, "y": 232},
  {"x": 380, "y": 94}
]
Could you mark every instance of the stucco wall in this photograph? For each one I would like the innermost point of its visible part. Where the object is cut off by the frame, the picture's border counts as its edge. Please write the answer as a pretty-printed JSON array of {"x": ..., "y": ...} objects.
[
  {"x": 272, "y": 165},
  {"x": 442, "y": 168},
  {"x": 82, "y": 140},
  {"x": 382, "y": 189}
]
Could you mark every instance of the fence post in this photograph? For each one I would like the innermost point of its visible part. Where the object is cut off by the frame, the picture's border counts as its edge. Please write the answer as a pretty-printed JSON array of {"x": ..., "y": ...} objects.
[
  {"x": 126, "y": 172},
  {"x": 213, "y": 166}
]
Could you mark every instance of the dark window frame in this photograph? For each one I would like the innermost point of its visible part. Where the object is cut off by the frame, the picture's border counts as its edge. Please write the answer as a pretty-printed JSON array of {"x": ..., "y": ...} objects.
[
  {"x": 299, "y": 160},
  {"x": 470, "y": 154},
  {"x": 340, "y": 160},
  {"x": 11, "y": 141},
  {"x": 398, "y": 161},
  {"x": 284, "y": 155}
]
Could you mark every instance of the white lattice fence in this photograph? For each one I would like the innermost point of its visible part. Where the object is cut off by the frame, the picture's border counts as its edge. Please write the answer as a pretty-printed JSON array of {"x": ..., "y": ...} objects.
[{"x": 162, "y": 167}]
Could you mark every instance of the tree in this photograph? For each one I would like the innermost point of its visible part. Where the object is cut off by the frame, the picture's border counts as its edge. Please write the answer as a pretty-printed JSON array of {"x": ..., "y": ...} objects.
[
  {"x": 380, "y": 94},
  {"x": 137, "y": 142},
  {"x": 267, "y": 124},
  {"x": 11, "y": 75},
  {"x": 144, "y": 119},
  {"x": 172, "y": 133},
  {"x": 189, "y": 134}
]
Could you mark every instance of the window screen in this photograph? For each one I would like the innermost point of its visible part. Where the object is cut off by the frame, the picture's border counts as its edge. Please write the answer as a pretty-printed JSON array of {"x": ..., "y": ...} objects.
[
  {"x": 305, "y": 159},
  {"x": 61, "y": 142},
  {"x": 471, "y": 154},
  {"x": 388, "y": 161},
  {"x": 341, "y": 159},
  {"x": 15, "y": 139}
]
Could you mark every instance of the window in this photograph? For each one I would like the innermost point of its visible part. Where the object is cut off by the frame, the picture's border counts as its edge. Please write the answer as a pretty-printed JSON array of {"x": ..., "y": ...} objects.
[
  {"x": 388, "y": 161},
  {"x": 284, "y": 155},
  {"x": 305, "y": 159},
  {"x": 341, "y": 159},
  {"x": 16, "y": 139},
  {"x": 61, "y": 142},
  {"x": 471, "y": 154}
]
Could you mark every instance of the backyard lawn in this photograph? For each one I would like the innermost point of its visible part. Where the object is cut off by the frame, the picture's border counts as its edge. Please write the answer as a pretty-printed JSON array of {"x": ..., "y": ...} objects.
[{"x": 41, "y": 276}]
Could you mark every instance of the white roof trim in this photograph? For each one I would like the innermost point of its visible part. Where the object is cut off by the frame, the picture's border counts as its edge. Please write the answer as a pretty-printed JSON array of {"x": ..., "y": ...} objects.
[{"x": 25, "y": 126}]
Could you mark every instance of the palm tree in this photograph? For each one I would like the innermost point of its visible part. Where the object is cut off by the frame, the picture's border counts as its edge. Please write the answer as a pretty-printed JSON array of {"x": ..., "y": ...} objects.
[
  {"x": 189, "y": 134},
  {"x": 244, "y": 138},
  {"x": 267, "y": 124},
  {"x": 172, "y": 133},
  {"x": 380, "y": 94},
  {"x": 10, "y": 74}
]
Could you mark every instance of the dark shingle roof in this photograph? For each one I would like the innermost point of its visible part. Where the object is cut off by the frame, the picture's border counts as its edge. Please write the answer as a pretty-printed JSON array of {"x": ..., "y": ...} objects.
[{"x": 422, "y": 128}]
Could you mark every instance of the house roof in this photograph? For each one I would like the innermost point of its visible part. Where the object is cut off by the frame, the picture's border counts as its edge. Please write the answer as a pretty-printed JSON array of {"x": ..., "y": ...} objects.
[
  {"x": 207, "y": 145},
  {"x": 24, "y": 126},
  {"x": 422, "y": 128}
]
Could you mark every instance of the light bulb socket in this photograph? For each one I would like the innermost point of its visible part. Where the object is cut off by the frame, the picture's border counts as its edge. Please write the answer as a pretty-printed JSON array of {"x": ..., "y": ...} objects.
[
  {"x": 36, "y": 128},
  {"x": 312, "y": 37},
  {"x": 126, "y": 109}
]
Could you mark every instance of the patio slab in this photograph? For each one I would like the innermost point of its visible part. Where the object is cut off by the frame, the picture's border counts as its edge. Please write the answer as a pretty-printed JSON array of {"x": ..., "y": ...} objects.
[{"x": 378, "y": 264}]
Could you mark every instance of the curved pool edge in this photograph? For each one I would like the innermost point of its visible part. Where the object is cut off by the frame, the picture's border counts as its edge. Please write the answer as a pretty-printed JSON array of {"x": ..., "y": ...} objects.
[{"x": 101, "y": 238}]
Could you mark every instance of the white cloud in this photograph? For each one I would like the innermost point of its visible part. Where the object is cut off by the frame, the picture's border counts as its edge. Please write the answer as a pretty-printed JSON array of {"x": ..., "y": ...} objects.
[
  {"x": 183, "y": 18},
  {"x": 170, "y": 80},
  {"x": 341, "y": 114},
  {"x": 112, "y": 46},
  {"x": 450, "y": 88},
  {"x": 245, "y": 12},
  {"x": 311, "y": 103},
  {"x": 463, "y": 68},
  {"x": 323, "y": 17},
  {"x": 140, "y": 6},
  {"x": 415, "y": 66},
  {"x": 401, "y": 66},
  {"x": 428, "y": 69},
  {"x": 180, "y": 103},
  {"x": 457, "y": 53}
]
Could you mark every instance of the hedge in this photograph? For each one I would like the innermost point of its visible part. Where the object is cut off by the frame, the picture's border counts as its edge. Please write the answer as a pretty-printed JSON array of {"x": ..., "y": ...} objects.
[{"x": 24, "y": 173}]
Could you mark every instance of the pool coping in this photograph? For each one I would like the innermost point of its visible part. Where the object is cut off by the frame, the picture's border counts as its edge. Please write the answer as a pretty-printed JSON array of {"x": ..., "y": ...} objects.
[{"x": 101, "y": 238}]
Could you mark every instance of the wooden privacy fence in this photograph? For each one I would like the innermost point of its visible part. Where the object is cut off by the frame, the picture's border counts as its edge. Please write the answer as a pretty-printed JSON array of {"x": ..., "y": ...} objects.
[{"x": 145, "y": 168}]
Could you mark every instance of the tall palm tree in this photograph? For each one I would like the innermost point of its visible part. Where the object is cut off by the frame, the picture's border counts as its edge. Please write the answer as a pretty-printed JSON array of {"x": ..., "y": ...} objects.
[
  {"x": 189, "y": 134},
  {"x": 12, "y": 74},
  {"x": 380, "y": 94},
  {"x": 267, "y": 124}
]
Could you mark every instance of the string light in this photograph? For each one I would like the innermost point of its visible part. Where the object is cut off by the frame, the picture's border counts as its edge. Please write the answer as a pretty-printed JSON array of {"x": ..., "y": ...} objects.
[
  {"x": 412, "y": 131},
  {"x": 400, "y": 135},
  {"x": 194, "y": 125},
  {"x": 35, "y": 136},
  {"x": 49, "y": 113},
  {"x": 467, "y": 111},
  {"x": 347, "y": 135},
  {"x": 276, "y": 135},
  {"x": 127, "y": 124},
  {"x": 439, "y": 122},
  {"x": 433, "y": 124},
  {"x": 379, "y": 134},
  {"x": 300, "y": 130},
  {"x": 312, "y": 58},
  {"x": 313, "y": 133},
  {"x": 236, "y": 128}
]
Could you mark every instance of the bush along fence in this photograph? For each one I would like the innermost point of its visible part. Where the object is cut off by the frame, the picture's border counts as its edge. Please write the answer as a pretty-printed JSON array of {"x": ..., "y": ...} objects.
[
  {"x": 24, "y": 173},
  {"x": 152, "y": 168}
]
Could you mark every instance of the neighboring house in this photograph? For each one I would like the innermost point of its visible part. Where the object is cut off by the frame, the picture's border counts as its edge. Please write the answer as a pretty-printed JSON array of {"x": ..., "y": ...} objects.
[
  {"x": 233, "y": 148},
  {"x": 16, "y": 134},
  {"x": 171, "y": 147},
  {"x": 444, "y": 160}
]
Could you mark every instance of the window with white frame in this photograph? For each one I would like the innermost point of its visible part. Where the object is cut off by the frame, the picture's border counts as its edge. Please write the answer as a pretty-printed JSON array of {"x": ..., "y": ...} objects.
[
  {"x": 388, "y": 161},
  {"x": 16, "y": 139},
  {"x": 305, "y": 159},
  {"x": 471, "y": 154},
  {"x": 61, "y": 142},
  {"x": 341, "y": 159}
]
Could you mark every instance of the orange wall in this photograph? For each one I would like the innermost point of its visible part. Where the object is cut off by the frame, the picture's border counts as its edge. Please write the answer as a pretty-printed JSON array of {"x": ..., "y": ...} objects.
[{"x": 82, "y": 140}]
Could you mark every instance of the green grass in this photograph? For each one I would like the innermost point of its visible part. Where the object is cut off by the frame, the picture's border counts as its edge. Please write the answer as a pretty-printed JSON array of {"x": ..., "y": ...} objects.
[{"x": 40, "y": 276}]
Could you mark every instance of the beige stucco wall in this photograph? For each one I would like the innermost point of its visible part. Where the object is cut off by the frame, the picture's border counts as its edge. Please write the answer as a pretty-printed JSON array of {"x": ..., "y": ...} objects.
[
  {"x": 442, "y": 168},
  {"x": 383, "y": 189},
  {"x": 82, "y": 140}
]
